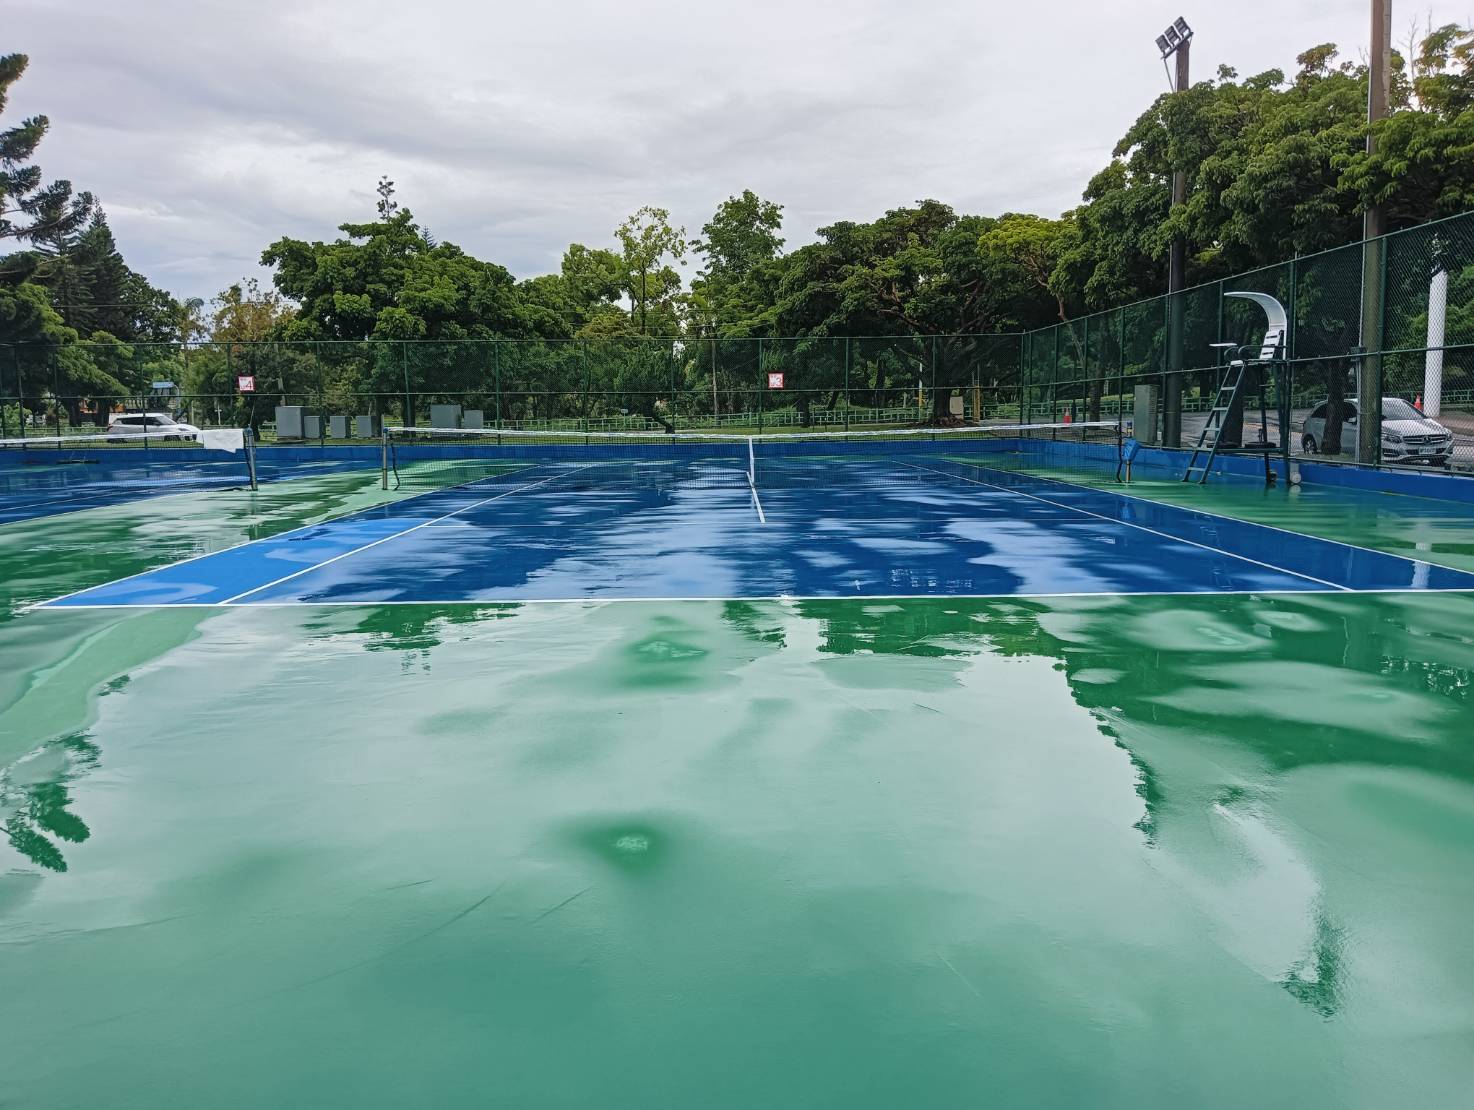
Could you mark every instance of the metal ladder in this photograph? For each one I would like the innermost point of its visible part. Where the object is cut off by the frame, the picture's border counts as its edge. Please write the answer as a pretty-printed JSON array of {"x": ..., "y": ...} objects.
[{"x": 1228, "y": 392}]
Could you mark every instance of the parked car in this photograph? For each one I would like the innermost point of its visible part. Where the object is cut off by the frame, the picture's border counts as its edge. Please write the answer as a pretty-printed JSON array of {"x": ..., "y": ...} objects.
[
  {"x": 1407, "y": 435},
  {"x": 153, "y": 425}
]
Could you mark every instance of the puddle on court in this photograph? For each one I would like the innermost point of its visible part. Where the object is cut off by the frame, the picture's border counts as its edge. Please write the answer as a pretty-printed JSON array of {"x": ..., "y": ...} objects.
[{"x": 1181, "y": 850}]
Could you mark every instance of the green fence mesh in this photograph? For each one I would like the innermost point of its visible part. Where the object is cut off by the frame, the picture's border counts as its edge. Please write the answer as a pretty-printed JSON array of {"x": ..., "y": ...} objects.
[{"x": 1400, "y": 309}]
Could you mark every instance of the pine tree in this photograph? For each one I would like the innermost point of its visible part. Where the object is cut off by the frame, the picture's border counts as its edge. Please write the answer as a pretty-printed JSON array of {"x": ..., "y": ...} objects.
[
  {"x": 29, "y": 210},
  {"x": 105, "y": 276}
]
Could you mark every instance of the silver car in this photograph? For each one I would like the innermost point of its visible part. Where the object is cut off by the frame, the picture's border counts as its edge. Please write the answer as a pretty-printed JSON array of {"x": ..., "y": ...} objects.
[
  {"x": 149, "y": 425},
  {"x": 1407, "y": 435}
]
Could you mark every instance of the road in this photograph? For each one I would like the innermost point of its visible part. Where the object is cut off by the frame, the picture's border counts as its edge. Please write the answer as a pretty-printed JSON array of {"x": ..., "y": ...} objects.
[{"x": 1460, "y": 423}]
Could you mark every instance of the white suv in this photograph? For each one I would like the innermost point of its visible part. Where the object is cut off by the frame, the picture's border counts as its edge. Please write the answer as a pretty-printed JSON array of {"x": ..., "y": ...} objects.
[
  {"x": 1407, "y": 435},
  {"x": 153, "y": 425}
]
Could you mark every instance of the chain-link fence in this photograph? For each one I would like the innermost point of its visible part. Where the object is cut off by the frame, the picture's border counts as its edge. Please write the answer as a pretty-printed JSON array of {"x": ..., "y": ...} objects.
[
  {"x": 620, "y": 384},
  {"x": 1396, "y": 314}
]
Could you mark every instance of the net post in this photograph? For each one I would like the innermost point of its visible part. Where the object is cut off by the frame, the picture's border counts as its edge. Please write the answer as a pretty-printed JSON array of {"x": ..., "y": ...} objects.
[
  {"x": 384, "y": 458},
  {"x": 250, "y": 438}
]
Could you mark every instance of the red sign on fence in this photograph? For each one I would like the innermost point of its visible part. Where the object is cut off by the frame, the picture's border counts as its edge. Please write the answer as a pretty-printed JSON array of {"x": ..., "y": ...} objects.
[
  {"x": 246, "y": 383},
  {"x": 775, "y": 381}
]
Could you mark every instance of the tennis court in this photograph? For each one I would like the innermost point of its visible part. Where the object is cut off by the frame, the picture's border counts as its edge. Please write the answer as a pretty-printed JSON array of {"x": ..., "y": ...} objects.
[{"x": 856, "y": 770}]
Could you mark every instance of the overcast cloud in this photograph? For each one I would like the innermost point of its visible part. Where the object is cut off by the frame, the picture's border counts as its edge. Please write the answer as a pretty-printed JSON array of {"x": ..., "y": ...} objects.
[{"x": 209, "y": 129}]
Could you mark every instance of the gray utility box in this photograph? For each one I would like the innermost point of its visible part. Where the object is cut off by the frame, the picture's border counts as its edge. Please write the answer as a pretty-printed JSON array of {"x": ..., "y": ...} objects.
[
  {"x": 366, "y": 426},
  {"x": 445, "y": 416},
  {"x": 311, "y": 427},
  {"x": 289, "y": 422},
  {"x": 338, "y": 427},
  {"x": 473, "y": 418},
  {"x": 1144, "y": 415}
]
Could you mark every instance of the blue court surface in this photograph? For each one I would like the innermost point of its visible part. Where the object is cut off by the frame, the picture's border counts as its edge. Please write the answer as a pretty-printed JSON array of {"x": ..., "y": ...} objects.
[{"x": 538, "y": 534}]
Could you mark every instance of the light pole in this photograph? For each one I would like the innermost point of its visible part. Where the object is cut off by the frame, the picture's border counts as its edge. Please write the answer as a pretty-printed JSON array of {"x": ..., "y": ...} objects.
[
  {"x": 1175, "y": 41},
  {"x": 1374, "y": 247}
]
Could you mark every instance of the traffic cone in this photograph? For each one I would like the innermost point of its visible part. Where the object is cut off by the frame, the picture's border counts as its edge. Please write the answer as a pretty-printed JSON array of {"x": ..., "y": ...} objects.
[
  {"x": 1418, "y": 404},
  {"x": 1069, "y": 417}
]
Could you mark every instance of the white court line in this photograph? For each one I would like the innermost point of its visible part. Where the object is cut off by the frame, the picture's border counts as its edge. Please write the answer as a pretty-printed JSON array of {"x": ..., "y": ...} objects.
[
  {"x": 267, "y": 539},
  {"x": 512, "y": 602},
  {"x": 757, "y": 503},
  {"x": 1141, "y": 527},
  {"x": 1238, "y": 519},
  {"x": 398, "y": 535}
]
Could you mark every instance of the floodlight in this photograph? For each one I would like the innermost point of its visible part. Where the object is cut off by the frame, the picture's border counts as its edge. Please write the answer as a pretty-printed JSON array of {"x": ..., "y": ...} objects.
[{"x": 1174, "y": 37}]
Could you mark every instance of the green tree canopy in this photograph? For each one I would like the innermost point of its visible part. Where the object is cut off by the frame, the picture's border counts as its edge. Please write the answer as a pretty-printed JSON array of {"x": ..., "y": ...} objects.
[
  {"x": 388, "y": 280},
  {"x": 646, "y": 241}
]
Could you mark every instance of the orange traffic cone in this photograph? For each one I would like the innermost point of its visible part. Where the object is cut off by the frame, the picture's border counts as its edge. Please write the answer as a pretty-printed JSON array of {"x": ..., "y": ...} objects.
[
  {"x": 1418, "y": 404},
  {"x": 1069, "y": 417}
]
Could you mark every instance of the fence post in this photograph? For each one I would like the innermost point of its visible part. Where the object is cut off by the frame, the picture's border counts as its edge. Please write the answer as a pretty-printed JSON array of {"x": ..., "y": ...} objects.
[
  {"x": 409, "y": 402},
  {"x": 20, "y": 402},
  {"x": 588, "y": 382},
  {"x": 1088, "y": 373},
  {"x": 1121, "y": 373},
  {"x": 1025, "y": 342},
  {"x": 322, "y": 404},
  {"x": 761, "y": 384},
  {"x": 1054, "y": 385},
  {"x": 56, "y": 396},
  {"x": 670, "y": 357},
  {"x": 496, "y": 372},
  {"x": 847, "y": 383},
  {"x": 1369, "y": 366},
  {"x": 935, "y": 400},
  {"x": 716, "y": 409}
]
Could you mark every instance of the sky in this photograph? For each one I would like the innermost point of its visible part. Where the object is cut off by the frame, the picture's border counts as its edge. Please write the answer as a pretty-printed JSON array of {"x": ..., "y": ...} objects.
[{"x": 209, "y": 129}]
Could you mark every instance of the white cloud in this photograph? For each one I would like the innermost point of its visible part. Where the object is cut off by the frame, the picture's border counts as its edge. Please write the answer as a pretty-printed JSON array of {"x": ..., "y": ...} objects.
[{"x": 211, "y": 128}]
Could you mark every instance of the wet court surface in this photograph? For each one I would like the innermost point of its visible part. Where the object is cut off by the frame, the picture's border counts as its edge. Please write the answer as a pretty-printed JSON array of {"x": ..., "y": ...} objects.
[
  {"x": 525, "y": 537},
  {"x": 1207, "y": 849}
]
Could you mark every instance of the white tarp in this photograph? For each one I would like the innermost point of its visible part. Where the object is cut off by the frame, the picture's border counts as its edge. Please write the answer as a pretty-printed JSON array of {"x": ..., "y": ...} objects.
[{"x": 223, "y": 439}]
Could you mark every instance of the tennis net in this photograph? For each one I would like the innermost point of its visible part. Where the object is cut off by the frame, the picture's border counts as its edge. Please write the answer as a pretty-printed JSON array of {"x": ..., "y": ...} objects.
[
  {"x": 437, "y": 458},
  {"x": 210, "y": 459}
]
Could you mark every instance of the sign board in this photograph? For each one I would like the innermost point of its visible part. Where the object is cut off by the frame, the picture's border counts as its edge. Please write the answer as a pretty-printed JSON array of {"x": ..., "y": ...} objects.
[
  {"x": 246, "y": 383},
  {"x": 775, "y": 381}
]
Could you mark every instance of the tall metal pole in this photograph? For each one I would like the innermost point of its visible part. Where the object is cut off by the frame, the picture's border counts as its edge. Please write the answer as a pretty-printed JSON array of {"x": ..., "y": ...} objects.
[
  {"x": 1176, "y": 280},
  {"x": 1373, "y": 255}
]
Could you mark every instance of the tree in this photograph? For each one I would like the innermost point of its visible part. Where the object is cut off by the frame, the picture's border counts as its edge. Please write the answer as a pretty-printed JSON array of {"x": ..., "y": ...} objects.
[
  {"x": 189, "y": 320},
  {"x": 387, "y": 205},
  {"x": 243, "y": 319},
  {"x": 592, "y": 276},
  {"x": 385, "y": 280},
  {"x": 740, "y": 240},
  {"x": 646, "y": 240},
  {"x": 1263, "y": 160},
  {"x": 30, "y": 210},
  {"x": 1423, "y": 165},
  {"x": 916, "y": 271}
]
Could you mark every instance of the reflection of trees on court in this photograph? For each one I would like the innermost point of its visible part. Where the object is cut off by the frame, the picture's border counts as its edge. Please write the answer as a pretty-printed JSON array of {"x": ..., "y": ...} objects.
[
  {"x": 959, "y": 628},
  {"x": 1318, "y": 980},
  {"x": 1372, "y": 682},
  {"x": 1259, "y": 672},
  {"x": 35, "y": 800},
  {"x": 412, "y": 629},
  {"x": 756, "y": 622}
]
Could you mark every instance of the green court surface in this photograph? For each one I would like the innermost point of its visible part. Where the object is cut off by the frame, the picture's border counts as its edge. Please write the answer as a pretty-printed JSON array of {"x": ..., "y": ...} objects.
[{"x": 1205, "y": 850}]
